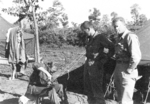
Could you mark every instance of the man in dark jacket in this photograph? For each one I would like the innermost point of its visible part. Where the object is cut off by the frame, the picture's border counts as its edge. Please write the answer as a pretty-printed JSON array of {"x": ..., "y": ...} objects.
[
  {"x": 98, "y": 49},
  {"x": 41, "y": 84}
]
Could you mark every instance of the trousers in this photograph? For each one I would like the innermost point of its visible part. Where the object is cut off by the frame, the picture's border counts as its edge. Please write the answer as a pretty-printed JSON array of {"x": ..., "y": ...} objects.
[
  {"x": 93, "y": 79},
  {"x": 55, "y": 93},
  {"x": 124, "y": 83}
]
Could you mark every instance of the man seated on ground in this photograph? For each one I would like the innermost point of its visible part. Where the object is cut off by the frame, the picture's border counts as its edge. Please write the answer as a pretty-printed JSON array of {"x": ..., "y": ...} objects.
[{"x": 41, "y": 83}]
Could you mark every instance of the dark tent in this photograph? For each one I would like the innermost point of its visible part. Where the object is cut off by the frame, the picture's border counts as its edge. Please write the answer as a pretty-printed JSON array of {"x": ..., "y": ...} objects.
[
  {"x": 4, "y": 26},
  {"x": 144, "y": 38}
]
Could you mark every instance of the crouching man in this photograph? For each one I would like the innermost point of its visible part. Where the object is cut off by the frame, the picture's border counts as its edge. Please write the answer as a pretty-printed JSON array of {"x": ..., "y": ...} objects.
[{"x": 41, "y": 84}]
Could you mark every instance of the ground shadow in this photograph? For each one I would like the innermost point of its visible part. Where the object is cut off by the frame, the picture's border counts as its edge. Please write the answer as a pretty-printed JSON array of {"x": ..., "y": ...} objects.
[
  {"x": 73, "y": 81},
  {"x": 10, "y": 101},
  {"x": 3, "y": 92},
  {"x": 5, "y": 75}
]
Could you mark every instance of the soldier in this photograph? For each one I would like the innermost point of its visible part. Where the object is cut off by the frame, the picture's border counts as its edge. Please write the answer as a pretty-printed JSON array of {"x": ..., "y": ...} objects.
[
  {"x": 41, "y": 83},
  {"x": 98, "y": 49},
  {"x": 128, "y": 56}
]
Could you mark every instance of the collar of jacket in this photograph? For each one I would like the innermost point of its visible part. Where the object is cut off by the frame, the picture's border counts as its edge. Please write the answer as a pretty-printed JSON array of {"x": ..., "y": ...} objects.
[{"x": 124, "y": 34}]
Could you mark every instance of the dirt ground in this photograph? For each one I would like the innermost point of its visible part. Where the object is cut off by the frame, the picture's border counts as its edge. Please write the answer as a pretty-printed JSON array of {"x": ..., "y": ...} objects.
[{"x": 66, "y": 59}]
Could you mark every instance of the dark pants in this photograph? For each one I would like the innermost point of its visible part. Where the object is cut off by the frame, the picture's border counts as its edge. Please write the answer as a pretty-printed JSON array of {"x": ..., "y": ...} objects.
[
  {"x": 54, "y": 92},
  {"x": 93, "y": 79}
]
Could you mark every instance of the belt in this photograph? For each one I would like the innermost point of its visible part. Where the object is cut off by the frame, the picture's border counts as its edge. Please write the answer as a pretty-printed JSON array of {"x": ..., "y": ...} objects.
[{"x": 122, "y": 61}]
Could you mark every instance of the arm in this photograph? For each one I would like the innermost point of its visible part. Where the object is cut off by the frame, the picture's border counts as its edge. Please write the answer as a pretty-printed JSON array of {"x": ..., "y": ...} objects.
[
  {"x": 7, "y": 38},
  {"x": 46, "y": 72},
  {"x": 108, "y": 46},
  {"x": 7, "y": 35},
  {"x": 134, "y": 49}
]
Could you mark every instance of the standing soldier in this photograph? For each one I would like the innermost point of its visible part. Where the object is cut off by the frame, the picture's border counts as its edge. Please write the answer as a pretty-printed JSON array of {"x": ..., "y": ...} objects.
[
  {"x": 98, "y": 49},
  {"x": 128, "y": 56}
]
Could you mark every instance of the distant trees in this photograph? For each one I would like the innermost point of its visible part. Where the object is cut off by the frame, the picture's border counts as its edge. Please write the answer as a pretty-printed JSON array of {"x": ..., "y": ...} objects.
[
  {"x": 139, "y": 19},
  {"x": 95, "y": 15},
  {"x": 135, "y": 13},
  {"x": 113, "y": 15},
  {"x": 53, "y": 23},
  {"x": 142, "y": 19}
]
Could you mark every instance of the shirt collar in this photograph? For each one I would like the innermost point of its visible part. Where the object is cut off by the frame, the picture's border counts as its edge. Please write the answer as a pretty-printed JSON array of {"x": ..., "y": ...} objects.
[{"x": 124, "y": 34}]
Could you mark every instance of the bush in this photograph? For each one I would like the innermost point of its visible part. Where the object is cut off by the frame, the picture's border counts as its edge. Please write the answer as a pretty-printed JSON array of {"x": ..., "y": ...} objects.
[
  {"x": 50, "y": 37},
  {"x": 70, "y": 36},
  {"x": 76, "y": 37}
]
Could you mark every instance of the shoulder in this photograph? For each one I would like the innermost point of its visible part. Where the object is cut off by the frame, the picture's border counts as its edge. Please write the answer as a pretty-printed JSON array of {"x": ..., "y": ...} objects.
[
  {"x": 10, "y": 29},
  {"x": 132, "y": 35},
  {"x": 14, "y": 29},
  {"x": 101, "y": 36}
]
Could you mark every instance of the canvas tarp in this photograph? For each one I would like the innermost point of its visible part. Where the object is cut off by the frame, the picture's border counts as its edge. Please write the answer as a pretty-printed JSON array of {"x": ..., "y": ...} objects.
[{"x": 144, "y": 38}]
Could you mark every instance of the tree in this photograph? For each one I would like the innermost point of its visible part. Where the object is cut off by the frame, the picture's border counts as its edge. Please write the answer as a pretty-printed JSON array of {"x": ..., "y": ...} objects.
[
  {"x": 95, "y": 15},
  {"x": 53, "y": 17},
  {"x": 54, "y": 14},
  {"x": 64, "y": 20},
  {"x": 75, "y": 25},
  {"x": 142, "y": 19},
  {"x": 135, "y": 13},
  {"x": 105, "y": 19},
  {"x": 113, "y": 15}
]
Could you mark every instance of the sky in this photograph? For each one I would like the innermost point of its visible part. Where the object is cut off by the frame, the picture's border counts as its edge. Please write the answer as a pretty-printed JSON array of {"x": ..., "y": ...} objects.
[{"x": 78, "y": 10}]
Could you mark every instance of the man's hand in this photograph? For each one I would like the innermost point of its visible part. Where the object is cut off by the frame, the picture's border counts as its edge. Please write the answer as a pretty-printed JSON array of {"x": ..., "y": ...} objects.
[
  {"x": 129, "y": 70},
  {"x": 49, "y": 83},
  {"x": 106, "y": 50},
  {"x": 49, "y": 78}
]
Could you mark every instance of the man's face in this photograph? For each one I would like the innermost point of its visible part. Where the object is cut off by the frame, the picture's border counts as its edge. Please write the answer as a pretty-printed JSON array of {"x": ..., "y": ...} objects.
[
  {"x": 120, "y": 27},
  {"x": 88, "y": 32}
]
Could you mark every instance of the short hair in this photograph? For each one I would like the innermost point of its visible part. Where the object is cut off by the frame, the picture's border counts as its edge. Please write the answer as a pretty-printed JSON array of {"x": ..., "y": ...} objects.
[
  {"x": 86, "y": 25},
  {"x": 117, "y": 19}
]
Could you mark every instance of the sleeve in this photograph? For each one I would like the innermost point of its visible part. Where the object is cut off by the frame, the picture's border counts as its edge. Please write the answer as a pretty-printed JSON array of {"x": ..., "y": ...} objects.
[
  {"x": 134, "y": 49},
  {"x": 108, "y": 44},
  {"x": 7, "y": 35}
]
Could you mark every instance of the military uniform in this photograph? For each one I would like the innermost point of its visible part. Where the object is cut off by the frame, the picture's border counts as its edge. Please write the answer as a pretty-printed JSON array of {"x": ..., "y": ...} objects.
[
  {"x": 93, "y": 68},
  {"x": 128, "y": 55},
  {"x": 38, "y": 86}
]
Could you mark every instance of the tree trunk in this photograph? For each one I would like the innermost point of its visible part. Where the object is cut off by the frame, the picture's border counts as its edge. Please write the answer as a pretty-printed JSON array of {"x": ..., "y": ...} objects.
[{"x": 37, "y": 49}]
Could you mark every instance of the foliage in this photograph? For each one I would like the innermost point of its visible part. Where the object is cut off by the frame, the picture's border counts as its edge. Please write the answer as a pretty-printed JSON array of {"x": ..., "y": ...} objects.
[
  {"x": 64, "y": 20},
  {"x": 51, "y": 37},
  {"x": 94, "y": 15},
  {"x": 113, "y": 15},
  {"x": 142, "y": 19},
  {"x": 135, "y": 13},
  {"x": 76, "y": 37},
  {"x": 139, "y": 19},
  {"x": 50, "y": 21}
]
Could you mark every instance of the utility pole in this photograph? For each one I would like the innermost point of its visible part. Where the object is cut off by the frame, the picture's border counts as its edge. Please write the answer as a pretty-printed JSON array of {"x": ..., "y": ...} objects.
[{"x": 37, "y": 48}]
